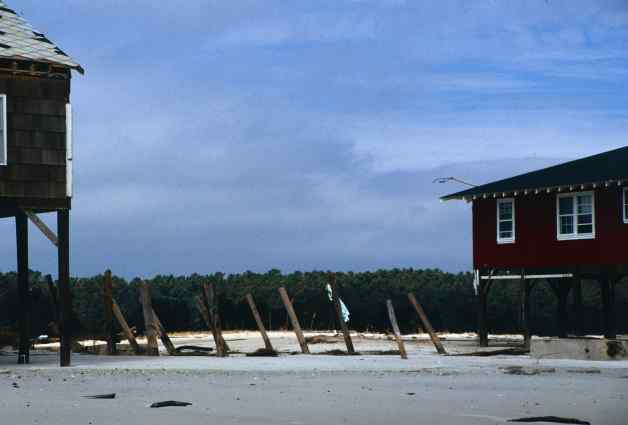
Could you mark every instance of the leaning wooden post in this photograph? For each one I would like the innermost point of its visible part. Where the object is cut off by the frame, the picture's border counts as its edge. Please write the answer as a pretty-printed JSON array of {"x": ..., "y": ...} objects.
[
  {"x": 338, "y": 308},
  {"x": 65, "y": 294},
  {"x": 202, "y": 308},
  {"x": 108, "y": 312},
  {"x": 260, "y": 324},
  {"x": 21, "y": 230},
  {"x": 165, "y": 339},
  {"x": 125, "y": 327},
  {"x": 395, "y": 326},
  {"x": 295, "y": 321},
  {"x": 214, "y": 315},
  {"x": 427, "y": 325},
  {"x": 152, "y": 349}
]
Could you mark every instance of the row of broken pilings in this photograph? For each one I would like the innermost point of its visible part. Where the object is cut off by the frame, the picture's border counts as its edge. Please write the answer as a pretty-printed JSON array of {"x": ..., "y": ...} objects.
[{"x": 208, "y": 306}]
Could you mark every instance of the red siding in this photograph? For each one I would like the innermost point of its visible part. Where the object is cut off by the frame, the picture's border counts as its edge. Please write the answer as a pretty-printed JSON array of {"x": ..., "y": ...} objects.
[{"x": 536, "y": 244}]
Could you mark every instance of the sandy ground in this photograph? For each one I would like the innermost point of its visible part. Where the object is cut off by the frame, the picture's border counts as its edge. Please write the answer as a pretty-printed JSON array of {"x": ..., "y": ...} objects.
[{"x": 316, "y": 389}]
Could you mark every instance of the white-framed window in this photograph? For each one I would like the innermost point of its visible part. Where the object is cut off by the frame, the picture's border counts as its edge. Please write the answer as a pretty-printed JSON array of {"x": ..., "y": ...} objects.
[
  {"x": 3, "y": 129},
  {"x": 506, "y": 220},
  {"x": 575, "y": 216},
  {"x": 625, "y": 204}
]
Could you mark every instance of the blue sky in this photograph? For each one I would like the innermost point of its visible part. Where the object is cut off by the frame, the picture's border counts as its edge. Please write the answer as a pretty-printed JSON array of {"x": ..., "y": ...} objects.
[{"x": 249, "y": 135}]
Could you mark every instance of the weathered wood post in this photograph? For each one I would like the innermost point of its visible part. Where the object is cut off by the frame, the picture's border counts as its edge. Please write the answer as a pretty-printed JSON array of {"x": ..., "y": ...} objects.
[
  {"x": 54, "y": 305},
  {"x": 578, "y": 305},
  {"x": 561, "y": 288},
  {"x": 427, "y": 325},
  {"x": 201, "y": 303},
  {"x": 108, "y": 312},
  {"x": 395, "y": 326},
  {"x": 163, "y": 335},
  {"x": 21, "y": 227},
  {"x": 525, "y": 310},
  {"x": 260, "y": 324},
  {"x": 65, "y": 294},
  {"x": 152, "y": 349},
  {"x": 214, "y": 314},
  {"x": 296, "y": 326},
  {"x": 483, "y": 288},
  {"x": 338, "y": 308},
  {"x": 125, "y": 327},
  {"x": 608, "y": 306}
]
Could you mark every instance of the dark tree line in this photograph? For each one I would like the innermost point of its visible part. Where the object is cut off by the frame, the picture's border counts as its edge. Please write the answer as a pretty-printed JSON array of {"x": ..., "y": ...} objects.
[{"x": 447, "y": 298}]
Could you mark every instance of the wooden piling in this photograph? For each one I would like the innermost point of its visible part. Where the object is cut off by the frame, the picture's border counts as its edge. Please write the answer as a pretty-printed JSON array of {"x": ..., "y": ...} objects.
[
  {"x": 163, "y": 335},
  {"x": 54, "y": 305},
  {"x": 525, "y": 311},
  {"x": 338, "y": 308},
  {"x": 125, "y": 327},
  {"x": 296, "y": 326},
  {"x": 214, "y": 315},
  {"x": 260, "y": 324},
  {"x": 427, "y": 325},
  {"x": 108, "y": 313},
  {"x": 482, "y": 304},
  {"x": 152, "y": 349},
  {"x": 202, "y": 308},
  {"x": 65, "y": 294},
  {"x": 395, "y": 326},
  {"x": 21, "y": 230},
  {"x": 578, "y": 305}
]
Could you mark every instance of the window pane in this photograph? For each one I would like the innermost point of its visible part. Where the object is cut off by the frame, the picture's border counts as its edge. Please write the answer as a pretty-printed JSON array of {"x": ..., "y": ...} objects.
[
  {"x": 585, "y": 229},
  {"x": 505, "y": 226},
  {"x": 585, "y": 204},
  {"x": 585, "y": 219},
  {"x": 505, "y": 235},
  {"x": 565, "y": 205},
  {"x": 566, "y": 225},
  {"x": 505, "y": 211}
]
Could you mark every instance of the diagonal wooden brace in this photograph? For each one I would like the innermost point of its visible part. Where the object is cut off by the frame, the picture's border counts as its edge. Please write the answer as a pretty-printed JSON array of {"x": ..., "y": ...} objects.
[{"x": 43, "y": 227}]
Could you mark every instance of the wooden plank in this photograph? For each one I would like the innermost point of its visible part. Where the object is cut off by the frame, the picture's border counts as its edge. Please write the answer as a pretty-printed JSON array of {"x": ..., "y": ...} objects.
[
  {"x": 48, "y": 233},
  {"x": 65, "y": 295},
  {"x": 427, "y": 325},
  {"x": 165, "y": 339},
  {"x": 296, "y": 326},
  {"x": 107, "y": 295},
  {"x": 258, "y": 320},
  {"x": 152, "y": 349},
  {"x": 125, "y": 327},
  {"x": 338, "y": 308},
  {"x": 395, "y": 326},
  {"x": 21, "y": 227},
  {"x": 214, "y": 315}
]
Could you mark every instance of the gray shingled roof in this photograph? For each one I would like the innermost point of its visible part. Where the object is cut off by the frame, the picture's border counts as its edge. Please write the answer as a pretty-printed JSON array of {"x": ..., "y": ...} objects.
[
  {"x": 611, "y": 166},
  {"x": 18, "y": 40}
]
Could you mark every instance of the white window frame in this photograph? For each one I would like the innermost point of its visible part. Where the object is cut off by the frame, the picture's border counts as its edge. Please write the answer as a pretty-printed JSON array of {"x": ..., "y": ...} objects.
[
  {"x": 575, "y": 235},
  {"x": 3, "y": 141},
  {"x": 624, "y": 213},
  {"x": 512, "y": 239}
]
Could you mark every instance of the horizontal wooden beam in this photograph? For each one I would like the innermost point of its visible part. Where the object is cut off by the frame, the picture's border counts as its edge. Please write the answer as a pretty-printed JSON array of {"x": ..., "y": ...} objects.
[{"x": 42, "y": 227}]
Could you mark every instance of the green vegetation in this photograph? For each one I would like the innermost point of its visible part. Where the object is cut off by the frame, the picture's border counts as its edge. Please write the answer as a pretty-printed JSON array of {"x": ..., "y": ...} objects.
[{"x": 447, "y": 298}]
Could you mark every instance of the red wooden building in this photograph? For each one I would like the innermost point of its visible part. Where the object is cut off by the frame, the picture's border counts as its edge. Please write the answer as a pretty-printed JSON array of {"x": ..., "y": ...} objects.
[{"x": 562, "y": 224}]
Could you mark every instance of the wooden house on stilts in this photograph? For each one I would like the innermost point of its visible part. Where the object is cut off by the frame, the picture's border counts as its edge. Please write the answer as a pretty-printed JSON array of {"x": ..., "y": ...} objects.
[
  {"x": 562, "y": 224},
  {"x": 36, "y": 155}
]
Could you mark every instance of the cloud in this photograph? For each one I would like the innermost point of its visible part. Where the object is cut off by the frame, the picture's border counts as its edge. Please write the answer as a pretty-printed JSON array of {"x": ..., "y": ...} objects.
[{"x": 258, "y": 134}]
